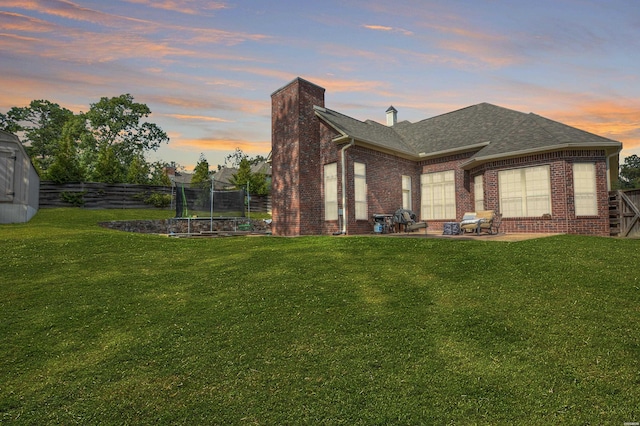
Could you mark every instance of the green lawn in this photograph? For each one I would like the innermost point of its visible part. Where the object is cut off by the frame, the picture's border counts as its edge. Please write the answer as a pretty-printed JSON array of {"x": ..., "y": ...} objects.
[{"x": 101, "y": 326}]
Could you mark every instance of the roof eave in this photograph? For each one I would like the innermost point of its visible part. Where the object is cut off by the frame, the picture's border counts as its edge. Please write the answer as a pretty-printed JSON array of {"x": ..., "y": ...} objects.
[
  {"x": 458, "y": 150},
  {"x": 318, "y": 112},
  {"x": 376, "y": 147},
  {"x": 477, "y": 161},
  {"x": 381, "y": 148}
]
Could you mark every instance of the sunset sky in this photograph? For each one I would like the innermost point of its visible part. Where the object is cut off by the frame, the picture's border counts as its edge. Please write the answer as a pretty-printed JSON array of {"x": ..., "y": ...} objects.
[{"x": 207, "y": 69}]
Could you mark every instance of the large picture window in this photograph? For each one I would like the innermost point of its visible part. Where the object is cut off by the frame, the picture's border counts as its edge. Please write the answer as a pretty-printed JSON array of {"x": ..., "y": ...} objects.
[
  {"x": 525, "y": 192},
  {"x": 360, "y": 188},
  {"x": 438, "y": 192},
  {"x": 406, "y": 192},
  {"x": 331, "y": 191},
  {"x": 584, "y": 189}
]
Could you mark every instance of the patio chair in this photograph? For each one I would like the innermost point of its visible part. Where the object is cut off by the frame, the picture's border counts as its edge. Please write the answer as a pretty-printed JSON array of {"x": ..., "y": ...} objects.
[
  {"x": 481, "y": 220},
  {"x": 411, "y": 224}
]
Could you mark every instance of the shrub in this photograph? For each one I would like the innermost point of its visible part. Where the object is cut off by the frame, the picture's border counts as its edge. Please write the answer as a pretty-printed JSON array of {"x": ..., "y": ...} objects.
[
  {"x": 158, "y": 199},
  {"x": 74, "y": 198}
]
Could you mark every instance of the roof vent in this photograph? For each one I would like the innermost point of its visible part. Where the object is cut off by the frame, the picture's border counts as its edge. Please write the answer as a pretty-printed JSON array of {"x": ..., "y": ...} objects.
[{"x": 392, "y": 116}]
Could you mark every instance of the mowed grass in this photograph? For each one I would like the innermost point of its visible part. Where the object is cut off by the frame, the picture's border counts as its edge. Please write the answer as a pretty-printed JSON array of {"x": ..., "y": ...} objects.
[{"x": 106, "y": 327}]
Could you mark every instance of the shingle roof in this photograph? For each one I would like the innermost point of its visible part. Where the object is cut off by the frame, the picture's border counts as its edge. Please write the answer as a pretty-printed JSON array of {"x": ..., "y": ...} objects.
[
  {"x": 369, "y": 132},
  {"x": 222, "y": 177},
  {"x": 492, "y": 130}
]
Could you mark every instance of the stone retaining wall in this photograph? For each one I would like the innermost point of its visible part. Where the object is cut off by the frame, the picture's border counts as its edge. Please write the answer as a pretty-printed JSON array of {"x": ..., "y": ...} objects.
[{"x": 191, "y": 226}]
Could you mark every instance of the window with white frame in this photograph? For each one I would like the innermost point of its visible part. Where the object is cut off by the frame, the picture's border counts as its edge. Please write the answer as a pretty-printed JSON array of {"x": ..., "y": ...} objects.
[
  {"x": 525, "y": 192},
  {"x": 584, "y": 189},
  {"x": 360, "y": 190},
  {"x": 7, "y": 169},
  {"x": 438, "y": 193},
  {"x": 478, "y": 190},
  {"x": 406, "y": 192},
  {"x": 331, "y": 191}
]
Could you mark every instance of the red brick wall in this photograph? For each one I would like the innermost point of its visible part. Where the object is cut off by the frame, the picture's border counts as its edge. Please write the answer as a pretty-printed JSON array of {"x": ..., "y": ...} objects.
[
  {"x": 384, "y": 185},
  {"x": 302, "y": 145},
  {"x": 563, "y": 218},
  {"x": 295, "y": 186}
]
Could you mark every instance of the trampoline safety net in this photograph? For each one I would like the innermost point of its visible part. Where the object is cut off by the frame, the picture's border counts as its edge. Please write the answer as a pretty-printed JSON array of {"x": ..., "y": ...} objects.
[{"x": 195, "y": 201}]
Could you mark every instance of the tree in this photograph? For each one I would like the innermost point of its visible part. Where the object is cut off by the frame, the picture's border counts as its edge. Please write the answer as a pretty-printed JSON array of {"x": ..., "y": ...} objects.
[
  {"x": 158, "y": 175},
  {"x": 257, "y": 181},
  {"x": 630, "y": 172},
  {"x": 40, "y": 125},
  {"x": 118, "y": 137},
  {"x": 138, "y": 171},
  {"x": 234, "y": 159},
  {"x": 201, "y": 176},
  {"x": 66, "y": 165},
  {"x": 107, "y": 167}
]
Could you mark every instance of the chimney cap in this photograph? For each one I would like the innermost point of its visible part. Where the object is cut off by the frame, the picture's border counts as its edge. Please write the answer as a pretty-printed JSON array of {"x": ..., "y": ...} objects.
[{"x": 392, "y": 116}]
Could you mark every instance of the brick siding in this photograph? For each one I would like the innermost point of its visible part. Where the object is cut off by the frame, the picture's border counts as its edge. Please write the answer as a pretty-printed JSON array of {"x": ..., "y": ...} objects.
[{"x": 302, "y": 144}]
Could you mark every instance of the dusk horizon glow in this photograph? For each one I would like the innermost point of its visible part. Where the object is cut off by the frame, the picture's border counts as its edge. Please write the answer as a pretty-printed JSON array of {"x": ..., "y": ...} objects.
[{"x": 207, "y": 69}]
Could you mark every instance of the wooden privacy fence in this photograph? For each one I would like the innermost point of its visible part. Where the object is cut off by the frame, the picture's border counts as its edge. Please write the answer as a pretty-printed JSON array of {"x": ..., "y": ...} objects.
[
  {"x": 95, "y": 195},
  {"x": 624, "y": 213}
]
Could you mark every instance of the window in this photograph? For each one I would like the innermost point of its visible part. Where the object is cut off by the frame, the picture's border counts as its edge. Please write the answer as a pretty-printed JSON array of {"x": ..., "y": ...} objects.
[
  {"x": 478, "y": 190},
  {"x": 525, "y": 192},
  {"x": 438, "y": 195},
  {"x": 7, "y": 168},
  {"x": 360, "y": 190},
  {"x": 584, "y": 189},
  {"x": 406, "y": 192},
  {"x": 331, "y": 191}
]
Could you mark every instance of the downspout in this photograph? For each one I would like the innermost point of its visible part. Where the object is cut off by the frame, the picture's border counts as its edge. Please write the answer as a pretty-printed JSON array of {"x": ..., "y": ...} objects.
[
  {"x": 344, "y": 185},
  {"x": 566, "y": 199}
]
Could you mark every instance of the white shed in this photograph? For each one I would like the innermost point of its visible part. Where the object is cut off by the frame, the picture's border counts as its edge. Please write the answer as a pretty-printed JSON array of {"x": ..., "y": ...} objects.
[{"x": 19, "y": 181}]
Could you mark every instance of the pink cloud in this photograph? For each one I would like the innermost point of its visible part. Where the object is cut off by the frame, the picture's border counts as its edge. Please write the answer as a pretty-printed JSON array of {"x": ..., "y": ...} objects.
[
  {"x": 387, "y": 29},
  {"x": 617, "y": 121},
  {"x": 190, "y": 7},
  {"x": 226, "y": 145},
  {"x": 192, "y": 35},
  {"x": 190, "y": 117}
]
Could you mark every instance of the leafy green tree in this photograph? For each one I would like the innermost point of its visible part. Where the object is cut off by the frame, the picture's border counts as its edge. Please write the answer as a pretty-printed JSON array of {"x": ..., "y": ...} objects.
[
  {"x": 7, "y": 124},
  {"x": 39, "y": 126},
  {"x": 630, "y": 172},
  {"x": 107, "y": 167},
  {"x": 201, "y": 176},
  {"x": 234, "y": 159},
  {"x": 157, "y": 174},
  {"x": 257, "y": 181},
  {"x": 119, "y": 135},
  {"x": 138, "y": 171},
  {"x": 66, "y": 166}
]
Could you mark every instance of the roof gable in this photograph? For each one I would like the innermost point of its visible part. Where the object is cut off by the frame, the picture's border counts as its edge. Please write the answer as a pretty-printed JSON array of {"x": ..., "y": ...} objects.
[{"x": 369, "y": 132}]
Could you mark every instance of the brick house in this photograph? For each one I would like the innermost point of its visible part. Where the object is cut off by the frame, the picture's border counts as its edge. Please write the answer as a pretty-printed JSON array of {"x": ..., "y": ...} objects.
[{"x": 331, "y": 172}]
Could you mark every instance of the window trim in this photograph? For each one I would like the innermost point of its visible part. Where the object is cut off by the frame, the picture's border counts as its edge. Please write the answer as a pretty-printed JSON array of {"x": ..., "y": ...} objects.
[
  {"x": 406, "y": 190},
  {"x": 527, "y": 192},
  {"x": 360, "y": 191},
  {"x": 330, "y": 180},
  {"x": 445, "y": 190},
  {"x": 592, "y": 210},
  {"x": 478, "y": 192}
]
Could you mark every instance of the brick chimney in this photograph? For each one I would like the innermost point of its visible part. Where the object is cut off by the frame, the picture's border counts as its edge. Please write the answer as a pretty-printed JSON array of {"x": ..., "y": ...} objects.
[{"x": 295, "y": 147}]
